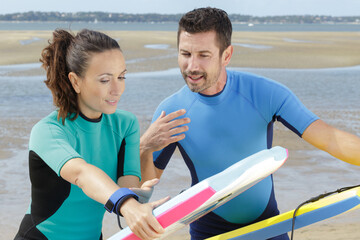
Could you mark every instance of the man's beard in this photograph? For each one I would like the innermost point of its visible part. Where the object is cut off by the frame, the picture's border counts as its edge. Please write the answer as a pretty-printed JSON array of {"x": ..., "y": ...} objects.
[{"x": 195, "y": 87}]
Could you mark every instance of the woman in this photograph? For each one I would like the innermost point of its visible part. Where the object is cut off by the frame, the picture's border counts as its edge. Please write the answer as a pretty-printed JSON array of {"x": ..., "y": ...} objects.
[{"x": 79, "y": 152}]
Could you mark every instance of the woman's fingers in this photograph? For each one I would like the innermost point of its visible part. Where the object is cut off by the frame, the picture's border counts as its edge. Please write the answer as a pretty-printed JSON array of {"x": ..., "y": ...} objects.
[{"x": 159, "y": 202}]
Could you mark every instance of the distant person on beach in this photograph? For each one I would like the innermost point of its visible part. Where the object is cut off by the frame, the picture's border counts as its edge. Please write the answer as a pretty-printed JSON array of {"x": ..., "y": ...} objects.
[
  {"x": 84, "y": 157},
  {"x": 232, "y": 115}
]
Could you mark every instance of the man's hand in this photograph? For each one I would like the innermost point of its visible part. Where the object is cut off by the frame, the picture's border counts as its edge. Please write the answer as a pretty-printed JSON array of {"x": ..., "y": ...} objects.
[{"x": 164, "y": 131}]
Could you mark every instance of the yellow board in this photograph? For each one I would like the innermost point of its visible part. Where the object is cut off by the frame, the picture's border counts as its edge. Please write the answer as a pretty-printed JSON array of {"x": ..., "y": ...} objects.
[{"x": 313, "y": 212}]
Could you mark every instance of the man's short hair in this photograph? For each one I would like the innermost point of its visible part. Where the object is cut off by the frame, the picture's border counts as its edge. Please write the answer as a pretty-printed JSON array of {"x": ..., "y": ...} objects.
[{"x": 208, "y": 19}]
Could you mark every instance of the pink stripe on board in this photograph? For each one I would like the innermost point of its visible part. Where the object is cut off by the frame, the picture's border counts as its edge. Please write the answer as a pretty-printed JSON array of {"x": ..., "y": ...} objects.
[
  {"x": 184, "y": 208},
  {"x": 180, "y": 210}
]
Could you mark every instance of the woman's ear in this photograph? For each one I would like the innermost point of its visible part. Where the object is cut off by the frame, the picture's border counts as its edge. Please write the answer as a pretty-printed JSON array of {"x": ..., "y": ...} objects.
[{"x": 75, "y": 81}]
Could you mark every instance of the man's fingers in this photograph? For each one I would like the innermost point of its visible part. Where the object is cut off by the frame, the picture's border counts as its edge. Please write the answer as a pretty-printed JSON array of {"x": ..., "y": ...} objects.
[
  {"x": 178, "y": 122},
  {"x": 173, "y": 115},
  {"x": 171, "y": 139},
  {"x": 178, "y": 130},
  {"x": 177, "y": 138},
  {"x": 163, "y": 114}
]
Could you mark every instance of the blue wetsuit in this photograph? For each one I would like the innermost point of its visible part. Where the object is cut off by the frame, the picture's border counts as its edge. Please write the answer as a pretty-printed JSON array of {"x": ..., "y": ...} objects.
[
  {"x": 226, "y": 128},
  {"x": 59, "y": 209}
]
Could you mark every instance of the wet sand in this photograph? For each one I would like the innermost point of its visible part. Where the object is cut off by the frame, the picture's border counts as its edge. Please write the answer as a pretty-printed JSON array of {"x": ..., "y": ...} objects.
[
  {"x": 259, "y": 50},
  {"x": 251, "y": 49}
]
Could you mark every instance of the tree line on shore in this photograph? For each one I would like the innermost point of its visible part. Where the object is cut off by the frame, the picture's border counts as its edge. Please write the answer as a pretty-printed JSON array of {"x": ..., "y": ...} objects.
[{"x": 126, "y": 17}]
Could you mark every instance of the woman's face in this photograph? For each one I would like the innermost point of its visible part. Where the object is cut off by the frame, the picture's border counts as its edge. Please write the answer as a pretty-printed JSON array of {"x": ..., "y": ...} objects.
[{"x": 100, "y": 89}]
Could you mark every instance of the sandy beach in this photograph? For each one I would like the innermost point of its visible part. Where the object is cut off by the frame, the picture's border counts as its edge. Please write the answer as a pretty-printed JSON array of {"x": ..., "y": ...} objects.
[
  {"x": 156, "y": 51},
  {"x": 251, "y": 49}
]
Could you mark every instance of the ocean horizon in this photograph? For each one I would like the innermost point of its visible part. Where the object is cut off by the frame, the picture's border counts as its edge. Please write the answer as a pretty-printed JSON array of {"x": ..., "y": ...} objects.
[{"x": 172, "y": 26}]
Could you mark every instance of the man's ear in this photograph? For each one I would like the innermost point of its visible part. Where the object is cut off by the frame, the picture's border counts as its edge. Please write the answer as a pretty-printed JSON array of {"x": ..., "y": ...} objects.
[
  {"x": 227, "y": 54},
  {"x": 75, "y": 81}
]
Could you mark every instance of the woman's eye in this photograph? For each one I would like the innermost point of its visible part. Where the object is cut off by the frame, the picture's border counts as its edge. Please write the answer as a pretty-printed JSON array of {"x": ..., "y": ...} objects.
[{"x": 104, "y": 80}]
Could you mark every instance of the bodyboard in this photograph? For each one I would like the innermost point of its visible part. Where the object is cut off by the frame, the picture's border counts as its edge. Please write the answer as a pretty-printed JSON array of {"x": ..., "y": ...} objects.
[
  {"x": 308, "y": 214},
  {"x": 214, "y": 191}
]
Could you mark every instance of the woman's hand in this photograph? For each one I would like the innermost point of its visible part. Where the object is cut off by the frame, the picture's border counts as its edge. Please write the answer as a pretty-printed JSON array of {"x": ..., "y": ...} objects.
[
  {"x": 146, "y": 190},
  {"x": 140, "y": 219}
]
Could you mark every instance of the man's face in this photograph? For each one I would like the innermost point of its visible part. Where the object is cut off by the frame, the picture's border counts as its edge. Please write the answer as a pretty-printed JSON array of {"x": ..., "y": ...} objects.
[{"x": 200, "y": 61}]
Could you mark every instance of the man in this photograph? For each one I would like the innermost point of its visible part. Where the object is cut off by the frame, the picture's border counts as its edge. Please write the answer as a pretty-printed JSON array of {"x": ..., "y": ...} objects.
[{"x": 232, "y": 115}]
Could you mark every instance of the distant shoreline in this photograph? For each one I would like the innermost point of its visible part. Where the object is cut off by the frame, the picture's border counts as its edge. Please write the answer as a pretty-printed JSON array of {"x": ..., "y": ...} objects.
[
  {"x": 162, "y": 22},
  {"x": 238, "y": 26},
  {"x": 156, "y": 17}
]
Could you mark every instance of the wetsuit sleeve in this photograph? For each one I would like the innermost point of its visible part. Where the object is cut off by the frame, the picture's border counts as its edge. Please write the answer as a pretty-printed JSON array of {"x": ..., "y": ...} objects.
[
  {"x": 283, "y": 105},
  {"x": 294, "y": 115},
  {"x": 131, "y": 164},
  {"x": 52, "y": 144}
]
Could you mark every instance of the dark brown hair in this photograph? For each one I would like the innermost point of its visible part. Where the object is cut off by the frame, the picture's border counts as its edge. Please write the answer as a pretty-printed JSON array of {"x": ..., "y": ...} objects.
[
  {"x": 208, "y": 19},
  {"x": 70, "y": 53}
]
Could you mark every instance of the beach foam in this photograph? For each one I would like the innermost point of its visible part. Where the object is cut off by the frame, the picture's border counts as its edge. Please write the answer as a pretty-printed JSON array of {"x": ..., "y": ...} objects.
[
  {"x": 29, "y": 41},
  {"x": 157, "y": 46},
  {"x": 255, "y": 46}
]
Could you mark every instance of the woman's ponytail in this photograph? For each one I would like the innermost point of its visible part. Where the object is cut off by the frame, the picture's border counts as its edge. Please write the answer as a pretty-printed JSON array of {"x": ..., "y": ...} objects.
[{"x": 54, "y": 61}]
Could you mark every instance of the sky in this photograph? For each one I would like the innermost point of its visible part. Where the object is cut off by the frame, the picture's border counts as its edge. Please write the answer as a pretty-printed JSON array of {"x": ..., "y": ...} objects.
[{"x": 244, "y": 7}]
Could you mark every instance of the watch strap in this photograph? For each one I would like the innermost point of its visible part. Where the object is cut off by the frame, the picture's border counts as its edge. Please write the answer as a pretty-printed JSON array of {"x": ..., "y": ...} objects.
[{"x": 117, "y": 199}]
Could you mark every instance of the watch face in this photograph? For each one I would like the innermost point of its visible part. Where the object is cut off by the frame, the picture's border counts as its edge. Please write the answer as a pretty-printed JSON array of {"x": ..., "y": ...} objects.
[{"x": 109, "y": 206}]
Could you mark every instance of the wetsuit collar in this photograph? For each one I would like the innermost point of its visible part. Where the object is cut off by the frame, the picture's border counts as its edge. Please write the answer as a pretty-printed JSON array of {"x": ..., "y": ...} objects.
[
  {"x": 89, "y": 119},
  {"x": 218, "y": 97},
  {"x": 87, "y": 124}
]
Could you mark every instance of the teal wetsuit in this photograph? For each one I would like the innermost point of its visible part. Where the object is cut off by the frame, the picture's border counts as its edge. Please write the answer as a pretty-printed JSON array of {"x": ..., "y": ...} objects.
[
  {"x": 226, "y": 128},
  {"x": 58, "y": 209}
]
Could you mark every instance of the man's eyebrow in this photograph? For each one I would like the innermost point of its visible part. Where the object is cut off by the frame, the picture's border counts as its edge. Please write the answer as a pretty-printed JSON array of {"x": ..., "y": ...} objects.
[
  {"x": 201, "y": 51},
  {"x": 204, "y": 51}
]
